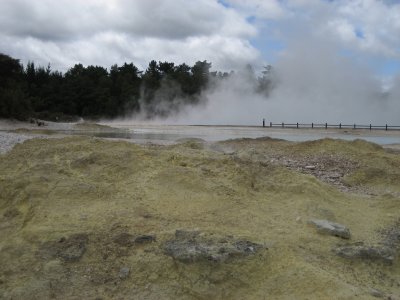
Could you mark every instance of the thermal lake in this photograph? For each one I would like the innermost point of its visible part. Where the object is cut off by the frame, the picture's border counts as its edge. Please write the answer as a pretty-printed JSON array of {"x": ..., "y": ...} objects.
[{"x": 168, "y": 134}]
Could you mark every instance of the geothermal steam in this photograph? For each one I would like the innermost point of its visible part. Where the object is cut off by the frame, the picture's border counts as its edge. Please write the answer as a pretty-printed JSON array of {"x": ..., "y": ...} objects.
[
  {"x": 311, "y": 85},
  {"x": 315, "y": 81}
]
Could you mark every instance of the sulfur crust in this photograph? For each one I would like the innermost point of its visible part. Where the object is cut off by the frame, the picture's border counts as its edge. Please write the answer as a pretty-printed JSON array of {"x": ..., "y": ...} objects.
[{"x": 53, "y": 188}]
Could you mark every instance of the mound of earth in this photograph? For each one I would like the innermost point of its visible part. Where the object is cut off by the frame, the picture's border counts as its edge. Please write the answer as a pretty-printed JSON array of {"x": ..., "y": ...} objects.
[{"x": 86, "y": 218}]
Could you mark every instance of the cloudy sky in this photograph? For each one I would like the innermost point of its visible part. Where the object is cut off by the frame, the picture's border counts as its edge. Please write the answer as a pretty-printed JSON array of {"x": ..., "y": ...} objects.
[
  {"x": 332, "y": 58},
  {"x": 229, "y": 33}
]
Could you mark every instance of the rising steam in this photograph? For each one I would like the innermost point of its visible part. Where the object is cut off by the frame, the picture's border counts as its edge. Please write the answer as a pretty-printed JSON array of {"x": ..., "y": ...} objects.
[{"x": 312, "y": 84}]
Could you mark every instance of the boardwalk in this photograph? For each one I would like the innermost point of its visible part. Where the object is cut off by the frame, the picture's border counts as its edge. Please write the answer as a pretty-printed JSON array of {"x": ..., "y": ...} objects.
[{"x": 334, "y": 126}]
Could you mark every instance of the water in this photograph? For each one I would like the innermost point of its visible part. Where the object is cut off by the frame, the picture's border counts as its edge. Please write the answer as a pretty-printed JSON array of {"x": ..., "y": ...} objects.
[{"x": 169, "y": 134}]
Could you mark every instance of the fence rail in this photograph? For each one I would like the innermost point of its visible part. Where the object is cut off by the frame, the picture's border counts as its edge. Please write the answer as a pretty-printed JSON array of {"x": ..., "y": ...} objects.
[{"x": 385, "y": 127}]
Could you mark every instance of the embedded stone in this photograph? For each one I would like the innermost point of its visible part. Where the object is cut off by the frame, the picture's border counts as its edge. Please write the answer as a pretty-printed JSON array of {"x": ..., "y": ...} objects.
[
  {"x": 331, "y": 228},
  {"x": 191, "y": 247}
]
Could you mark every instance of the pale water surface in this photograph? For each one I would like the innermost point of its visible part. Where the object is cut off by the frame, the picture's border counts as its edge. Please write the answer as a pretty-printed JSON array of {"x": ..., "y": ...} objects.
[{"x": 168, "y": 134}]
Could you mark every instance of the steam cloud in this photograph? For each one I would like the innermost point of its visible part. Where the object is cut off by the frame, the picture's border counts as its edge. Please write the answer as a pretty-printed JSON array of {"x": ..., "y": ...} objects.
[{"x": 312, "y": 84}]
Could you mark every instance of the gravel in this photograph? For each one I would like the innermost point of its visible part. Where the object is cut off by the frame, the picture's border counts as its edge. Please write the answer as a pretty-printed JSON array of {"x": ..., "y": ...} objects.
[{"x": 9, "y": 139}]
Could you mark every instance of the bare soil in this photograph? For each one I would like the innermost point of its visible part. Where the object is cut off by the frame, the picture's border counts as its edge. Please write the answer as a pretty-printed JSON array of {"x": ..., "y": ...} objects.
[{"x": 87, "y": 218}]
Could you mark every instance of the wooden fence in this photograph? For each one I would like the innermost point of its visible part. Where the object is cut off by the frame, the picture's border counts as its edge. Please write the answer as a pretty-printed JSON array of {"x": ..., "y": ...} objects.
[{"x": 334, "y": 126}]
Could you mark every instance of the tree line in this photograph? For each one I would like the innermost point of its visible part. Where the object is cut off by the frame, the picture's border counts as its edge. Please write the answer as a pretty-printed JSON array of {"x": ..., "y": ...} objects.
[{"x": 95, "y": 92}]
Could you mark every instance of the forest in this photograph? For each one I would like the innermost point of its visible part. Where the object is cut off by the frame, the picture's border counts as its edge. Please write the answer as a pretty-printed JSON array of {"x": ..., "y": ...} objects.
[{"x": 95, "y": 92}]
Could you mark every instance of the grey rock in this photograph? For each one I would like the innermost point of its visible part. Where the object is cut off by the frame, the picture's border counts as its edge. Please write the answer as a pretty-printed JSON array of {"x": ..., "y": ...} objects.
[
  {"x": 391, "y": 236},
  {"x": 191, "y": 247},
  {"x": 73, "y": 248},
  {"x": 331, "y": 228},
  {"x": 129, "y": 240},
  {"x": 310, "y": 167},
  {"x": 335, "y": 176},
  {"x": 68, "y": 249},
  {"x": 376, "y": 293},
  {"x": 124, "y": 272},
  {"x": 365, "y": 252},
  {"x": 124, "y": 239},
  {"x": 143, "y": 239}
]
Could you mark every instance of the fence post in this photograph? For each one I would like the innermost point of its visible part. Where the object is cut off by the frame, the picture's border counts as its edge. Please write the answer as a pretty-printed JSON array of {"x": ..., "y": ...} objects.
[
  {"x": 340, "y": 126},
  {"x": 312, "y": 125},
  {"x": 326, "y": 125},
  {"x": 370, "y": 126},
  {"x": 283, "y": 125},
  {"x": 263, "y": 122},
  {"x": 386, "y": 127},
  {"x": 270, "y": 124},
  {"x": 354, "y": 126},
  {"x": 297, "y": 125}
]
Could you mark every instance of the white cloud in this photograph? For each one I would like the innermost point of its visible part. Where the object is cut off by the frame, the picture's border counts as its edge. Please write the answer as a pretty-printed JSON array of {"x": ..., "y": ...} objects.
[
  {"x": 344, "y": 29},
  {"x": 369, "y": 26},
  {"x": 271, "y": 9},
  {"x": 104, "y": 32},
  {"x": 315, "y": 82}
]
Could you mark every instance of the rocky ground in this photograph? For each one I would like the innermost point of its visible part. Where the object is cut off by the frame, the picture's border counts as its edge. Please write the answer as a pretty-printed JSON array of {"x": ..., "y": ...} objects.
[
  {"x": 87, "y": 218},
  {"x": 9, "y": 140},
  {"x": 16, "y": 132},
  {"x": 329, "y": 167}
]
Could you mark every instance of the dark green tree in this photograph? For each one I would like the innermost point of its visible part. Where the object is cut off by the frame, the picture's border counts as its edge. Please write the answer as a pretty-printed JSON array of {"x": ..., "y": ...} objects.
[
  {"x": 201, "y": 75},
  {"x": 265, "y": 82},
  {"x": 14, "y": 101},
  {"x": 95, "y": 92},
  {"x": 10, "y": 70},
  {"x": 125, "y": 89},
  {"x": 151, "y": 82},
  {"x": 87, "y": 91}
]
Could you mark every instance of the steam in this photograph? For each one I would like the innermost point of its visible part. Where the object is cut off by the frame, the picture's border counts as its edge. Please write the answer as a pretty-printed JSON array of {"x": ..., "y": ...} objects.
[
  {"x": 232, "y": 102},
  {"x": 312, "y": 84},
  {"x": 315, "y": 80}
]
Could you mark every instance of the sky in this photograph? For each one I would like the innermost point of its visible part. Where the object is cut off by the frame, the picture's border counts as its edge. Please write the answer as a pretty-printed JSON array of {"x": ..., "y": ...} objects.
[
  {"x": 334, "y": 50},
  {"x": 229, "y": 33}
]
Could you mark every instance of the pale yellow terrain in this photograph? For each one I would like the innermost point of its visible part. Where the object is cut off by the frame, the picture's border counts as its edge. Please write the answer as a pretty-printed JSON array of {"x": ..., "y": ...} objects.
[{"x": 258, "y": 190}]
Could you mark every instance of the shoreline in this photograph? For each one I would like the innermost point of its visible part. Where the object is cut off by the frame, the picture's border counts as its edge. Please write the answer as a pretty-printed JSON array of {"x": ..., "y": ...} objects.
[
  {"x": 350, "y": 131},
  {"x": 13, "y": 132},
  {"x": 9, "y": 135},
  {"x": 6, "y": 125}
]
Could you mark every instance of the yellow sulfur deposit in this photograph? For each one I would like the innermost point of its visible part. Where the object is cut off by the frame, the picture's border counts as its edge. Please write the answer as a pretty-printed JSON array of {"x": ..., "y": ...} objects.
[{"x": 86, "y": 218}]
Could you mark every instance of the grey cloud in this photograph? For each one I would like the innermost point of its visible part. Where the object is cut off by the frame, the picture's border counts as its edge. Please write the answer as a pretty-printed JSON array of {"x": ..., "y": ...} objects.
[
  {"x": 105, "y": 32},
  {"x": 179, "y": 19},
  {"x": 315, "y": 82},
  {"x": 45, "y": 20},
  {"x": 59, "y": 20},
  {"x": 167, "y": 19},
  {"x": 311, "y": 86}
]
